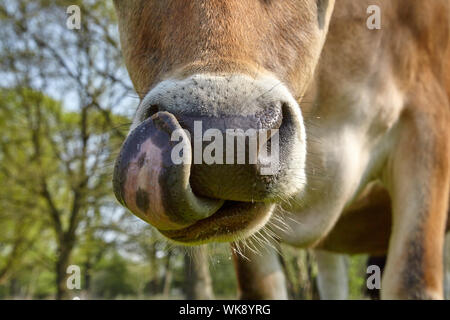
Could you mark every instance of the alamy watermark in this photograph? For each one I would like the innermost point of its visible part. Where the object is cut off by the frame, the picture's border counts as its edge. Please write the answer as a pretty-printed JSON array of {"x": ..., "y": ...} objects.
[
  {"x": 74, "y": 19},
  {"x": 235, "y": 146},
  {"x": 73, "y": 281},
  {"x": 374, "y": 20},
  {"x": 374, "y": 280}
]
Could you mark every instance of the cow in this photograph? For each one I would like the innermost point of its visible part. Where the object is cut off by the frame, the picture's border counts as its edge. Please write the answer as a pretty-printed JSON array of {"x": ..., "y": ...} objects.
[{"x": 360, "y": 117}]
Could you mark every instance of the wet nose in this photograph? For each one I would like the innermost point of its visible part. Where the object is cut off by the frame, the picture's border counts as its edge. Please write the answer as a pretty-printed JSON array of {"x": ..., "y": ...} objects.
[
  {"x": 233, "y": 125},
  {"x": 237, "y": 139}
]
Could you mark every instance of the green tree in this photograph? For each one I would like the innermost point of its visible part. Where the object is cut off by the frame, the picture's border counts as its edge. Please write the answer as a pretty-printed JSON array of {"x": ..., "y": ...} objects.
[
  {"x": 64, "y": 169},
  {"x": 113, "y": 279},
  {"x": 56, "y": 161}
]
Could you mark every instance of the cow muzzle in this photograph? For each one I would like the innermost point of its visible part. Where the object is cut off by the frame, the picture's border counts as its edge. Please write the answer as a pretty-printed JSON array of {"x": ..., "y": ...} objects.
[{"x": 211, "y": 152}]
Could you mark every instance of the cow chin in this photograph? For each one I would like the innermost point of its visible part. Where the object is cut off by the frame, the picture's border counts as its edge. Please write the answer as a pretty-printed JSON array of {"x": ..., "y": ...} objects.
[{"x": 232, "y": 222}]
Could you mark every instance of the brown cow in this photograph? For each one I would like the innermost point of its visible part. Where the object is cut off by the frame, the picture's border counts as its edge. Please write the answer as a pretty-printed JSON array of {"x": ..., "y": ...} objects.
[{"x": 363, "y": 119}]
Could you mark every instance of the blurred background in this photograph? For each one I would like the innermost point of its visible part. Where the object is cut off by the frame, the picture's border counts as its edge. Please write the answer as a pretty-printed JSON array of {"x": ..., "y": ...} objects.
[{"x": 65, "y": 107}]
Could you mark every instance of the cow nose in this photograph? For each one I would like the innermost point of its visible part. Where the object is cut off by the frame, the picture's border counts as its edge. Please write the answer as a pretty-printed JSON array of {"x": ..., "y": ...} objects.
[
  {"x": 199, "y": 142},
  {"x": 267, "y": 118},
  {"x": 232, "y": 154},
  {"x": 233, "y": 128}
]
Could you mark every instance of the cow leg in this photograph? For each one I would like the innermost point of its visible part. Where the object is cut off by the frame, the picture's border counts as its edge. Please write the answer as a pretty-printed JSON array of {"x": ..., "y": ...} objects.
[
  {"x": 259, "y": 273},
  {"x": 417, "y": 177},
  {"x": 332, "y": 278}
]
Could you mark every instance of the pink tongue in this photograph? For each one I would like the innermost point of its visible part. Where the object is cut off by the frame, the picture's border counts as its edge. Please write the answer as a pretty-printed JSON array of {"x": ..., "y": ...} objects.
[{"x": 151, "y": 185}]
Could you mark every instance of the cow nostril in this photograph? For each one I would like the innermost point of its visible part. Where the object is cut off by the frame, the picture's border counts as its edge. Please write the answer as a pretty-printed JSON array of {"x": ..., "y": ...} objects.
[
  {"x": 271, "y": 118},
  {"x": 153, "y": 109}
]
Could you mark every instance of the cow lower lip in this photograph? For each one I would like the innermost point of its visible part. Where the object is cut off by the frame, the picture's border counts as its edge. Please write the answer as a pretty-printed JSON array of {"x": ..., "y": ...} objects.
[{"x": 233, "y": 220}]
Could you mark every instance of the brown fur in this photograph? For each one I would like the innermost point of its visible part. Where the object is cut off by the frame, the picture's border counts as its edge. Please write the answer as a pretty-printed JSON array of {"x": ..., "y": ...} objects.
[
  {"x": 354, "y": 232},
  {"x": 417, "y": 52},
  {"x": 176, "y": 38}
]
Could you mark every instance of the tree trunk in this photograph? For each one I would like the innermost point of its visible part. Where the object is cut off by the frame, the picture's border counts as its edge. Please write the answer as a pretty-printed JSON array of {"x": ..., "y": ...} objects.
[
  {"x": 198, "y": 283},
  {"x": 167, "y": 280},
  {"x": 87, "y": 279},
  {"x": 62, "y": 263},
  {"x": 313, "y": 290},
  {"x": 13, "y": 288},
  {"x": 291, "y": 283}
]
